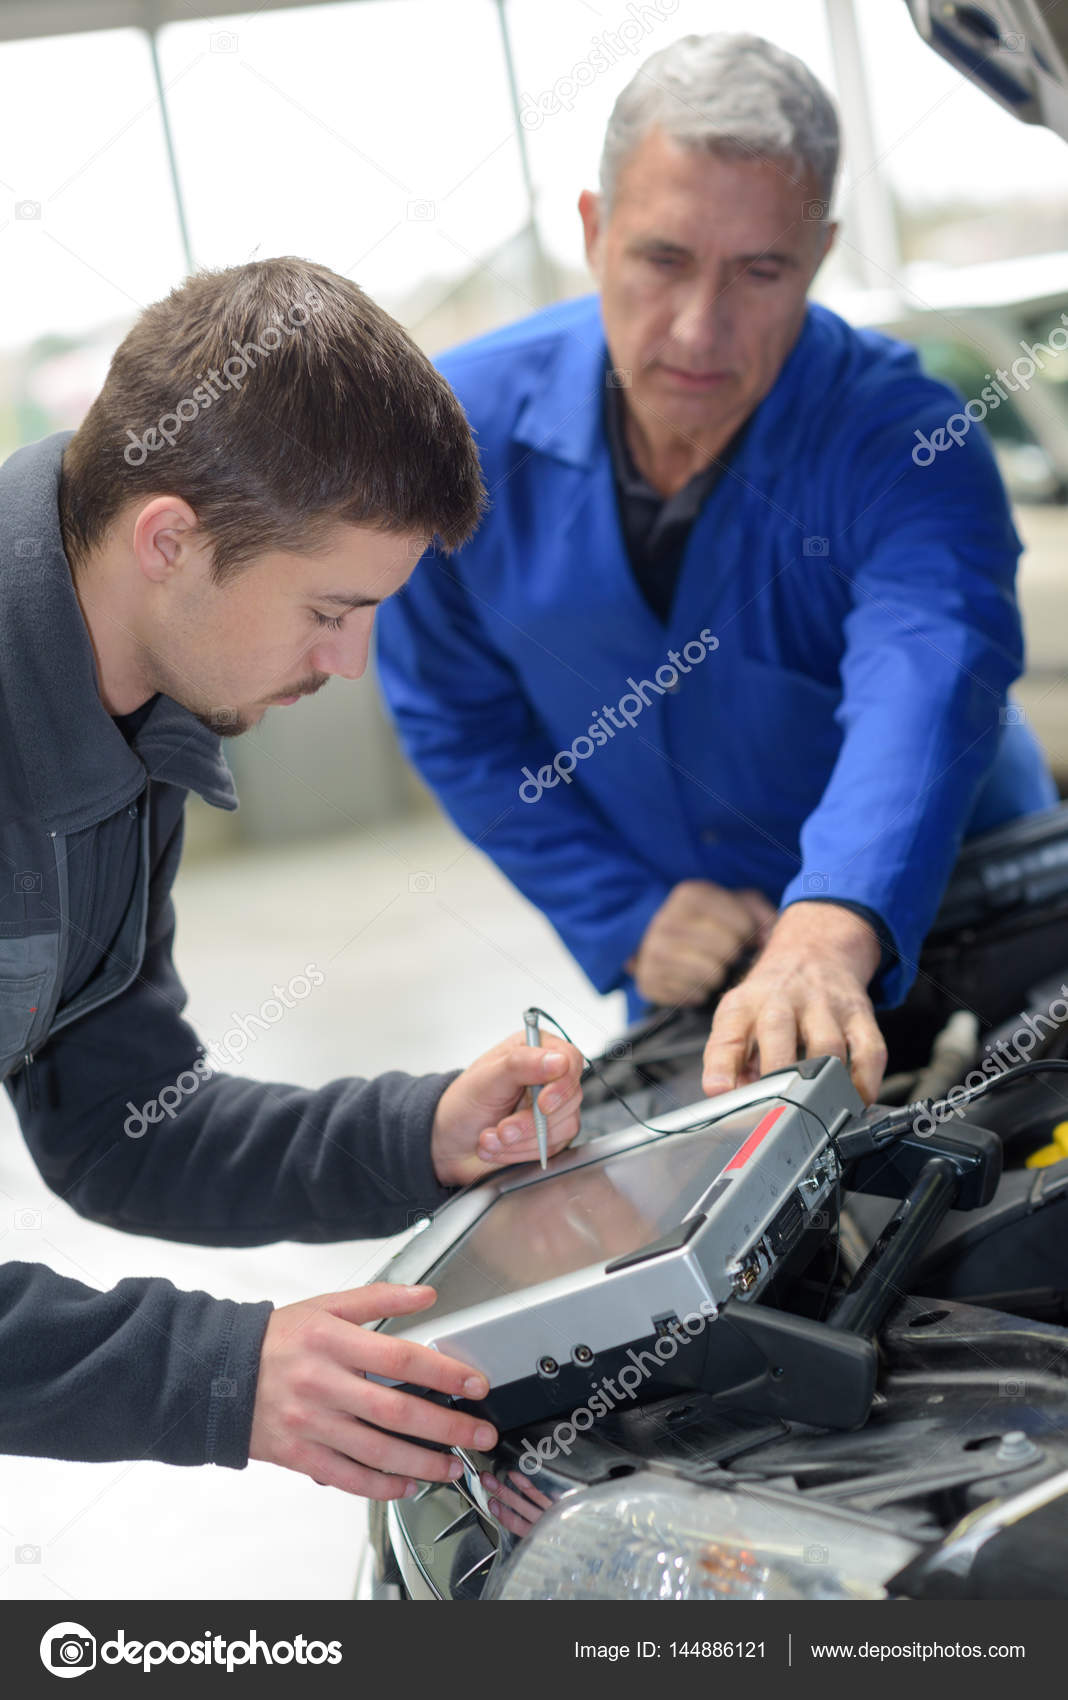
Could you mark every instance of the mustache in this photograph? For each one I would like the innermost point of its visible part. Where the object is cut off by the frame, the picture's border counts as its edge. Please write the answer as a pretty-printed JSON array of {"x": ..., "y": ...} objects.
[{"x": 306, "y": 687}]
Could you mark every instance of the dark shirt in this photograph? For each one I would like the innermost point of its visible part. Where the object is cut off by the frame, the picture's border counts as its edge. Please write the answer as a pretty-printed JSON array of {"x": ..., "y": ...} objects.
[
  {"x": 656, "y": 529},
  {"x": 112, "y": 845}
]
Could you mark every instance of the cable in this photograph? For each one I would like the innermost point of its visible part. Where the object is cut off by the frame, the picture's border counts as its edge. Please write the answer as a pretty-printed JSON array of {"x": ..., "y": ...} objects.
[
  {"x": 691, "y": 1127},
  {"x": 880, "y": 1133},
  {"x": 694, "y": 1127}
]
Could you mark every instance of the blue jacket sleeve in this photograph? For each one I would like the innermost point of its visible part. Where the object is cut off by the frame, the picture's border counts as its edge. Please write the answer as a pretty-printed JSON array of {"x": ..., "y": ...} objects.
[
  {"x": 933, "y": 641},
  {"x": 469, "y": 729}
]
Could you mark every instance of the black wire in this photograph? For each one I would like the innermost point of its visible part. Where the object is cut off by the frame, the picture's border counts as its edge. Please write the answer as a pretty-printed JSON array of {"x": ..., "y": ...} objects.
[
  {"x": 892, "y": 1126},
  {"x": 691, "y": 1127},
  {"x": 694, "y": 1127},
  {"x": 1039, "y": 1066}
]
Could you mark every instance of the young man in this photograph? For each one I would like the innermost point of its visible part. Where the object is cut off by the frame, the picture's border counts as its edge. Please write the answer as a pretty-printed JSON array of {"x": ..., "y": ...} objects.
[
  {"x": 727, "y": 663},
  {"x": 267, "y": 458}
]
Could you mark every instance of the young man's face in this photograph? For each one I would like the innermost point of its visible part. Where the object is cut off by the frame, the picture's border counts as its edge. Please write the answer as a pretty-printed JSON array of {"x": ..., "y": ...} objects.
[
  {"x": 276, "y": 631},
  {"x": 704, "y": 263}
]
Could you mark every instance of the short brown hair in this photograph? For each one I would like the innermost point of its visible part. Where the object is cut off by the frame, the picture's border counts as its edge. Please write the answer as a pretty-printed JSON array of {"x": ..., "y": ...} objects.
[{"x": 306, "y": 406}]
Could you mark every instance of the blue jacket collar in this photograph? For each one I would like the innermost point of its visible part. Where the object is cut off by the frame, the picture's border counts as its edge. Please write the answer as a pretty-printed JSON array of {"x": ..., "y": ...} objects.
[{"x": 562, "y": 415}]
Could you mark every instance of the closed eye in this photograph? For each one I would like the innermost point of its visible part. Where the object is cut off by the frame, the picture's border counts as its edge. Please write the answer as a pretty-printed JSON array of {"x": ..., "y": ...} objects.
[{"x": 331, "y": 623}]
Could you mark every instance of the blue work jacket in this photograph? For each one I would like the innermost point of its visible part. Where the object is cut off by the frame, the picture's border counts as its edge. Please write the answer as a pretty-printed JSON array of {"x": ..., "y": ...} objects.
[{"x": 847, "y": 725}]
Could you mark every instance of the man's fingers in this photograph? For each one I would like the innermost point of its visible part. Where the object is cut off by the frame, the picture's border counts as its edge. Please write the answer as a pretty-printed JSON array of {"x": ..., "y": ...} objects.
[
  {"x": 728, "y": 1044},
  {"x": 518, "y": 1499},
  {"x": 535, "y": 1065},
  {"x": 777, "y": 1036},
  {"x": 332, "y": 1469},
  {"x": 515, "y": 1139},
  {"x": 509, "y": 1519},
  {"x": 403, "y": 1413},
  {"x": 526, "y": 1486},
  {"x": 396, "y": 1359},
  {"x": 867, "y": 1053},
  {"x": 386, "y": 1453},
  {"x": 380, "y": 1299},
  {"x": 823, "y": 1032}
]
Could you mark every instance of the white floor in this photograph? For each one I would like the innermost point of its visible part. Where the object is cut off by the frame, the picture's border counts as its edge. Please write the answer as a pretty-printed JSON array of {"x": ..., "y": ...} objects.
[{"x": 429, "y": 957}]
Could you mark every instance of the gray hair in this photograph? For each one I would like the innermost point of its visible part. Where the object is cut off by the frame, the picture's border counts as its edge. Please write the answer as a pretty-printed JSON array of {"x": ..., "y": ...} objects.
[{"x": 737, "y": 95}]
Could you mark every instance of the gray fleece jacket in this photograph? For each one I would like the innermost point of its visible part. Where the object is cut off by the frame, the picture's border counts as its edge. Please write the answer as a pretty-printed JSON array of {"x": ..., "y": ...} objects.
[{"x": 145, "y": 1370}]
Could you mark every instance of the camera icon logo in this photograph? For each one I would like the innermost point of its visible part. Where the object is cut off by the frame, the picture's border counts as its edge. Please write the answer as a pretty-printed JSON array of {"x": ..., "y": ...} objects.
[
  {"x": 421, "y": 882},
  {"x": 814, "y": 209},
  {"x": 816, "y": 882},
  {"x": 816, "y": 1555},
  {"x": 27, "y": 210},
  {"x": 27, "y": 1218},
  {"x": 1011, "y": 1388},
  {"x": 27, "y": 880},
  {"x": 618, "y": 378},
  {"x": 223, "y": 41},
  {"x": 223, "y": 1387},
  {"x": 27, "y": 1554},
  {"x": 68, "y": 1649},
  {"x": 421, "y": 212},
  {"x": 27, "y": 548},
  {"x": 816, "y": 546},
  {"x": 1012, "y": 715}
]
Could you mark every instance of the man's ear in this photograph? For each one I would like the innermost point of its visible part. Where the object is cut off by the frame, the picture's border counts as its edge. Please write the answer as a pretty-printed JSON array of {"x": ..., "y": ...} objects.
[
  {"x": 162, "y": 537},
  {"x": 830, "y": 236},
  {"x": 589, "y": 206}
]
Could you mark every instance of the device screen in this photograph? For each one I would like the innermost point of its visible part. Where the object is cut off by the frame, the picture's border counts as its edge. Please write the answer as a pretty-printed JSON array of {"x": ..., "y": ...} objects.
[{"x": 584, "y": 1216}]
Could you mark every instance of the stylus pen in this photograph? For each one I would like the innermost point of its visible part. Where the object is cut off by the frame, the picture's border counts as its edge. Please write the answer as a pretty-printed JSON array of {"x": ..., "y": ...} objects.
[{"x": 541, "y": 1128}]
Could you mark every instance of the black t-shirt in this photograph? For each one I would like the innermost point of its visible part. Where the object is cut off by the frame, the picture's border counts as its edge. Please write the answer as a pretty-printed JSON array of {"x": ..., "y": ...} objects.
[{"x": 655, "y": 528}]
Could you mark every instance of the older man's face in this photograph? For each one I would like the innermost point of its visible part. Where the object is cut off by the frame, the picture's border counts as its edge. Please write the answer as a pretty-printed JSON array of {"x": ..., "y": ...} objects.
[{"x": 704, "y": 263}]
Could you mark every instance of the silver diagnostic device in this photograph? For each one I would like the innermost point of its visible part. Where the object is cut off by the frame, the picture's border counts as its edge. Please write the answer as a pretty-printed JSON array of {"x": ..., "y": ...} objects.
[{"x": 550, "y": 1282}]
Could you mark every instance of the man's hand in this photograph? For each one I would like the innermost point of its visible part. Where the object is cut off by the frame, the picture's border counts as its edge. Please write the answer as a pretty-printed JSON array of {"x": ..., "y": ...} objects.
[
  {"x": 516, "y": 1503},
  {"x": 314, "y": 1404},
  {"x": 805, "y": 995},
  {"x": 484, "y": 1118},
  {"x": 694, "y": 937}
]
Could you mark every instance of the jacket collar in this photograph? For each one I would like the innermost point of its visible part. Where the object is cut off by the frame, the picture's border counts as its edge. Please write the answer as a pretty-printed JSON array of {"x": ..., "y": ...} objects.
[
  {"x": 562, "y": 415},
  {"x": 78, "y": 767}
]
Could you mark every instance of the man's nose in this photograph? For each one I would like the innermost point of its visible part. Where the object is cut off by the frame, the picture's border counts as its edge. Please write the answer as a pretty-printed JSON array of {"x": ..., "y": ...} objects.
[
  {"x": 703, "y": 321},
  {"x": 344, "y": 653}
]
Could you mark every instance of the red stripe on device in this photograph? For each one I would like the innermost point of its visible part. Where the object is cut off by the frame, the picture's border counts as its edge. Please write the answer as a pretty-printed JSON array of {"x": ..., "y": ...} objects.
[{"x": 741, "y": 1157}]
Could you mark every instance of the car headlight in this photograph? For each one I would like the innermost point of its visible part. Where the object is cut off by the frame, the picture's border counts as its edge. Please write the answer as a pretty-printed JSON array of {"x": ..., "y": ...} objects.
[{"x": 650, "y": 1538}]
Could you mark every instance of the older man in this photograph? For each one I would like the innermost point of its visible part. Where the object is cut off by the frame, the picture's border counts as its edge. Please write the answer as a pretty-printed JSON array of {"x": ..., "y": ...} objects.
[{"x": 722, "y": 647}]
